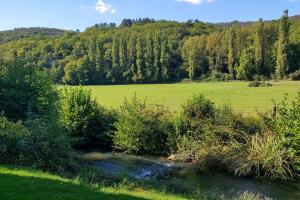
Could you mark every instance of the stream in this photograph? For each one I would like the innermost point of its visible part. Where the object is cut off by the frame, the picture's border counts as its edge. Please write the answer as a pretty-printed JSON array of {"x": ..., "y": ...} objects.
[{"x": 185, "y": 178}]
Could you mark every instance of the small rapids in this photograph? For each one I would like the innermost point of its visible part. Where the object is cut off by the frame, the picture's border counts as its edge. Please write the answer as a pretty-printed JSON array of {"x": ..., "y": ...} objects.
[{"x": 185, "y": 178}]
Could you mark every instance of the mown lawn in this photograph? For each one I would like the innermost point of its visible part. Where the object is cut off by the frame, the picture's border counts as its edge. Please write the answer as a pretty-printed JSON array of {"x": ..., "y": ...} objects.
[
  {"x": 238, "y": 94},
  {"x": 22, "y": 184}
]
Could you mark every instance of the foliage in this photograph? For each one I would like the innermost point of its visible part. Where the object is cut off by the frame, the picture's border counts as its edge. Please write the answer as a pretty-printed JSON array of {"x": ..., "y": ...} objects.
[
  {"x": 224, "y": 139},
  {"x": 295, "y": 76},
  {"x": 149, "y": 51},
  {"x": 86, "y": 122},
  {"x": 27, "y": 94},
  {"x": 21, "y": 33},
  {"x": 287, "y": 123},
  {"x": 142, "y": 129},
  {"x": 25, "y": 91},
  {"x": 258, "y": 83},
  {"x": 193, "y": 54},
  {"x": 246, "y": 70},
  {"x": 11, "y": 137},
  {"x": 283, "y": 42},
  {"x": 39, "y": 144}
]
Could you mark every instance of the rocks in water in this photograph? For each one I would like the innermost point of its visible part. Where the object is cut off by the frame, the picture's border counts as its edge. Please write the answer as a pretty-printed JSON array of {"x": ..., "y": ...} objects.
[
  {"x": 172, "y": 157},
  {"x": 185, "y": 158}
]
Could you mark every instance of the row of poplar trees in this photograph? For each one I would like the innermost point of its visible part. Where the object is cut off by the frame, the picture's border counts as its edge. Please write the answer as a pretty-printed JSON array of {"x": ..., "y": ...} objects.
[{"x": 148, "y": 51}]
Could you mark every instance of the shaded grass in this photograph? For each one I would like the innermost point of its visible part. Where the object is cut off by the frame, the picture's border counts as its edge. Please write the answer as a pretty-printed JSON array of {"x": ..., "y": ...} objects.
[
  {"x": 16, "y": 183},
  {"x": 243, "y": 98}
]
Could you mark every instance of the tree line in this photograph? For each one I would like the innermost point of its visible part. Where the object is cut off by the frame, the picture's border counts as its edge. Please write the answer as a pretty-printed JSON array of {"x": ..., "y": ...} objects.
[{"x": 149, "y": 51}]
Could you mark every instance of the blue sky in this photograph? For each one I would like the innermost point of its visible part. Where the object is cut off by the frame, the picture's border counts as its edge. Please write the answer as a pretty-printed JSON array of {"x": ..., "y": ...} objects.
[{"x": 79, "y": 14}]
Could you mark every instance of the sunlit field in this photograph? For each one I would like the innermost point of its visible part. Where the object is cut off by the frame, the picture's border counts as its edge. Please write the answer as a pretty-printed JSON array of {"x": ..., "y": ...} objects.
[{"x": 243, "y": 98}]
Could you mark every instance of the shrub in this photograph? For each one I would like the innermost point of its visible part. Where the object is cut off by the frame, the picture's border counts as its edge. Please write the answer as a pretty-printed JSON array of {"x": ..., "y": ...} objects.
[
  {"x": 86, "y": 122},
  {"x": 47, "y": 147},
  {"x": 217, "y": 76},
  {"x": 39, "y": 144},
  {"x": 11, "y": 136},
  {"x": 295, "y": 76},
  {"x": 286, "y": 123},
  {"x": 27, "y": 94},
  {"x": 260, "y": 156},
  {"x": 195, "y": 112},
  {"x": 25, "y": 91},
  {"x": 142, "y": 129},
  {"x": 260, "y": 84}
]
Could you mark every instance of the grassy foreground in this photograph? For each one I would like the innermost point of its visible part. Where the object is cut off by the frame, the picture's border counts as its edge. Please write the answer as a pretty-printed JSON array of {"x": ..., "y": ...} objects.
[
  {"x": 243, "y": 98},
  {"x": 17, "y": 183}
]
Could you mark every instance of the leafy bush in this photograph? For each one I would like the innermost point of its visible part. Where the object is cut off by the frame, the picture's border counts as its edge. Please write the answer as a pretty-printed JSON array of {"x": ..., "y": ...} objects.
[
  {"x": 295, "y": 76},
  {"x": 260, "y": 156},
  {"x": 11, "y": 136},
  {"x": 196, "y": 114},
  {"x": 260, "y": 84},
  {"x": 47, "y": 147},
  {"x": 217, "y": 76},
  {"x": 25, "y": 91},
  {"x": 27, "y": 94},
  {"x": 142, "y": 129},
  {"x": 86, "y": 122},
  {"x": 39, "y": 144},
  {"x": 286, "y": 123},
  {"x": 219, "y": 137}
]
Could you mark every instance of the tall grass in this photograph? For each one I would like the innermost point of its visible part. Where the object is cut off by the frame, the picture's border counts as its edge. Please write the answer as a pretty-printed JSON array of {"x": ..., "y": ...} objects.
[{"x": 260, "y": 156}]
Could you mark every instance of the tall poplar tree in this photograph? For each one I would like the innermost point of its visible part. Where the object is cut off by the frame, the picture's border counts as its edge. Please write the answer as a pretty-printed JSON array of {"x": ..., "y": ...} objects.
[
  {"x": 283, "y": 42},
  {"x": 231, "y": 52},
  {"x": 259, "y": 43},
  {"x": 140, "y": 62}
]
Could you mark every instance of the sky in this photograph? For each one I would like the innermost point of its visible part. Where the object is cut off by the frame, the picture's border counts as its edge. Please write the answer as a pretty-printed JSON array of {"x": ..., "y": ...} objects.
[{"x": 80, "y": 14}]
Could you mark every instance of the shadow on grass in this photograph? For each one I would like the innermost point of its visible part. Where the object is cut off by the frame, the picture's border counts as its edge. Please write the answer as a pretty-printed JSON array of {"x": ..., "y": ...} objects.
[{"x": 14, "y": 187}]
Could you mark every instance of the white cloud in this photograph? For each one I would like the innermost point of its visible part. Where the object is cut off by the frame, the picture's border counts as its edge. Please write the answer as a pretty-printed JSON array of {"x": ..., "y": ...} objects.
[
  {"x": 103, "y": 7},
  {"x": 197, "y": 2}
]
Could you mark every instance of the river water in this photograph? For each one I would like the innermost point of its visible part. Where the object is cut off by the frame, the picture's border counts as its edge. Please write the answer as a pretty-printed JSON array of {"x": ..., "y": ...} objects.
[{"x": 185, "y": 178}]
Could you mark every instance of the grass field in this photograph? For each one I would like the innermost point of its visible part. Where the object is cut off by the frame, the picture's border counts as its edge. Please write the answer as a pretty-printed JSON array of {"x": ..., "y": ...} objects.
[
  {"x": 243, "y": 98},
  {"x": 22, "y": 184}
]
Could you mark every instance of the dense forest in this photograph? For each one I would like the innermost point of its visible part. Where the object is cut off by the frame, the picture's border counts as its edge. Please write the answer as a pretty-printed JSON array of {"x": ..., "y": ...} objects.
[{"x": 149, "y": 51}]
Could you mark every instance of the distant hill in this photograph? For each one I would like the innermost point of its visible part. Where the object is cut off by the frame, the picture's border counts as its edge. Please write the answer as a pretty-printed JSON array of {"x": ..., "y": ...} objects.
[{"x": 21, "y": 33}]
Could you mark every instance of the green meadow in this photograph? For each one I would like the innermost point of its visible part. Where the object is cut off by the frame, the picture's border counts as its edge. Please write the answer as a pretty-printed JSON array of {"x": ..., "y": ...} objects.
[{"x": 243, "y": 98}]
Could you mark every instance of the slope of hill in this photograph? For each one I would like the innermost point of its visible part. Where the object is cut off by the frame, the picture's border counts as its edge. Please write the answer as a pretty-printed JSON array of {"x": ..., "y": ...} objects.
[{"x": 21, "y": 33}]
